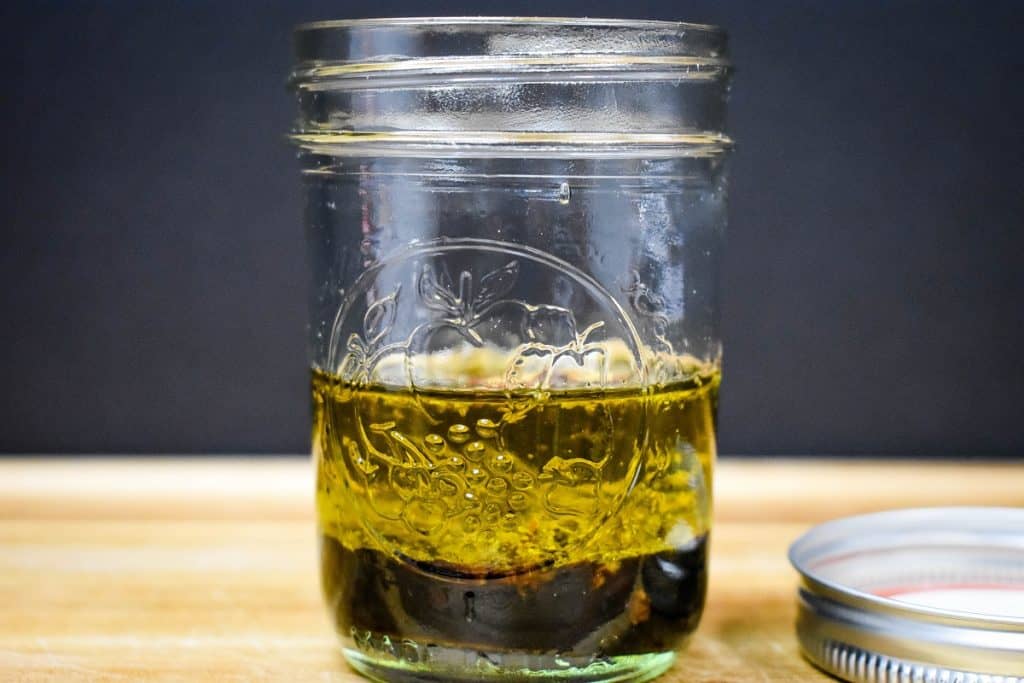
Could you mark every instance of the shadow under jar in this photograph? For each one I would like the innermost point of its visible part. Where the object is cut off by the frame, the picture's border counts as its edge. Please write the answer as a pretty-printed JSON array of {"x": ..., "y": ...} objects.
[{"x": 514, "y": 231}]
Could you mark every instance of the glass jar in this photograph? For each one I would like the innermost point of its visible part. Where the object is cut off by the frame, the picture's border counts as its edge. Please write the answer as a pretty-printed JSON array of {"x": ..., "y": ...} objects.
[{"x": 514, "y": 232}]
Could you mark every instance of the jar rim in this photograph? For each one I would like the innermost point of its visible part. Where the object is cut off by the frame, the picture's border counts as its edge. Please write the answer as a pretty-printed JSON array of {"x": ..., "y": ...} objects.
[
  {"x": 475, "y": 43},
  {"x": 504, "y": 20}
]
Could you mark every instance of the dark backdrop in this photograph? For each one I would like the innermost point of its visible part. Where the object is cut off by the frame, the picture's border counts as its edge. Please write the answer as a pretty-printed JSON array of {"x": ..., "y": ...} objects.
[{"x": 153, "y": 265}]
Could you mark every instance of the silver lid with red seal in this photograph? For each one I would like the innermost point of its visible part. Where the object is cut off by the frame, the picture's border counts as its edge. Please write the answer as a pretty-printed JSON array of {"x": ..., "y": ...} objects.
[{"x": 931, "y": 595}]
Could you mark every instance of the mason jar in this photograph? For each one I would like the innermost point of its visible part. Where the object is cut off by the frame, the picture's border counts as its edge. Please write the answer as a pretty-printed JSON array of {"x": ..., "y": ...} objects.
[{"x": 514, "y": 229}]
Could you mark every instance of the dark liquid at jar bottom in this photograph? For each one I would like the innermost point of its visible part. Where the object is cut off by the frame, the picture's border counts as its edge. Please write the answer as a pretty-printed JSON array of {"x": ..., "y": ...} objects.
[{"x": 583, "y": 612}]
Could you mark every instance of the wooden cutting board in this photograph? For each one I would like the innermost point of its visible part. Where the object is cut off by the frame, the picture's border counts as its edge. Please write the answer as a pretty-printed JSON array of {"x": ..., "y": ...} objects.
[{"x": 205, "y": 569}]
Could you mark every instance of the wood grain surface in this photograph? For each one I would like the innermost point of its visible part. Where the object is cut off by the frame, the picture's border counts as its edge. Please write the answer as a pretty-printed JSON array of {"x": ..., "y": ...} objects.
[{"x": 187, "y": 570}]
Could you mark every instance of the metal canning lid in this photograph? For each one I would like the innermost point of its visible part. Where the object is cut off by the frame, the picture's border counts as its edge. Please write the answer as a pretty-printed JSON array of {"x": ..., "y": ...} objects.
[{"x": 931, "y": 595}]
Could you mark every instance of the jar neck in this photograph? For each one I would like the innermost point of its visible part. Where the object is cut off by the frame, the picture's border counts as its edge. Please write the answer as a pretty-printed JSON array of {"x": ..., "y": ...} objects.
[{"x": 512, "y": 86}]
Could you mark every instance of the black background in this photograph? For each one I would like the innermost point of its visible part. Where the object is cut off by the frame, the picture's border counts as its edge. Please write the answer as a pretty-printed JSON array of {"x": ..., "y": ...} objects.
[{"x": 153, "y": 277}]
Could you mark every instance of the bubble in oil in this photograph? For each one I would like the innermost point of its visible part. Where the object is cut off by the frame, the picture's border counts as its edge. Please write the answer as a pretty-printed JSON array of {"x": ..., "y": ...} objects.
[
  {"x": 456, "y": 463},
  {"x": 497, "y": 486},
  {"x": 471, "y": 523},
  {"x": 458, "y": 433},
  {"x": 500, "y": 463},
  {"x": 471, "y": 503},
  {"x": 522, "y": 480},
  {"x": 486, "y": 428},
  {"x": 476, "y": 475},
  {"x": 518, "y": 501},
  {"x": 475, "y": 450},
  {"x": 492, "y": 513}
]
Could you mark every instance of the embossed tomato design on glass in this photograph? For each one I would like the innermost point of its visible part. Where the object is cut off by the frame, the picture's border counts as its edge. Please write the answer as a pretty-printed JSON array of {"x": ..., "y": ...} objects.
[{"x": 448, "y": 478}]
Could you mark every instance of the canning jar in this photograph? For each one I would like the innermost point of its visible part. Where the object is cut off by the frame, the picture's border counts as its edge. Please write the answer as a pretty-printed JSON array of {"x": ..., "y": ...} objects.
[{"x": 514, "y": 230}]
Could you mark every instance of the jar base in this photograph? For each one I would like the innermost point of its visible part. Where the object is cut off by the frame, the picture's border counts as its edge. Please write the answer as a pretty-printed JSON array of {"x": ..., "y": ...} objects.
[{"x": 457, "y": 665}]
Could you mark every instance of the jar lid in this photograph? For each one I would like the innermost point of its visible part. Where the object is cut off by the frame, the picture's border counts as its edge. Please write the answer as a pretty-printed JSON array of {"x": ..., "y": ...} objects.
[{"x": 929, "y": 595}]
